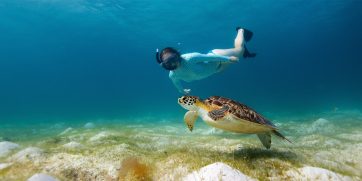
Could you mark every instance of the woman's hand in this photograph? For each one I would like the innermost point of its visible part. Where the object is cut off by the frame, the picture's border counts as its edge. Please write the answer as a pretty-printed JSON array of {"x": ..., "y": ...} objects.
[{"x": 187, "y": 91}]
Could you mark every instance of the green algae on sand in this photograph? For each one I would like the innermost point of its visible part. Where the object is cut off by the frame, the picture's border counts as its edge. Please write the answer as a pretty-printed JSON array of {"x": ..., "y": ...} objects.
[{"x": 167, "y": 150}]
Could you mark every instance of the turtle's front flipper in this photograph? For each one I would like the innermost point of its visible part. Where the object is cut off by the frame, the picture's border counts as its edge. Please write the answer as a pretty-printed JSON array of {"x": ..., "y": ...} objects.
[
  {"x": 190, "y": 118},
  {"x": 265, "y": 138},
  {"x": 218, "y": 113}
]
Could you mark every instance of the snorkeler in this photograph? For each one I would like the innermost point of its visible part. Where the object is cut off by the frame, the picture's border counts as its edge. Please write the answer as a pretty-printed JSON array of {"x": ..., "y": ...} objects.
[{"x": 195, "y": 66}]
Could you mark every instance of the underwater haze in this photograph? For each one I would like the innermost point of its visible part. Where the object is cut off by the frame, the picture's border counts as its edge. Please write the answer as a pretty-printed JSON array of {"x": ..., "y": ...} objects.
[
  {"x": 86, "y": 59},
  {"x": 83, "y": 72}
]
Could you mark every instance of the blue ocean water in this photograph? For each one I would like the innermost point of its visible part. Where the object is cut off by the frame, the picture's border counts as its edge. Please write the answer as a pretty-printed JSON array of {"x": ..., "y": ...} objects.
[
  {"x": 90, "y": 59},
  {"x": 79, "y": 81}
]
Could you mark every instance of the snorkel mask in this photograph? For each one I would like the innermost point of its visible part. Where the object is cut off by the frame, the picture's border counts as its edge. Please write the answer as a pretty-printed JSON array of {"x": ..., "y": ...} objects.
[{"x": 169, "y": 58}]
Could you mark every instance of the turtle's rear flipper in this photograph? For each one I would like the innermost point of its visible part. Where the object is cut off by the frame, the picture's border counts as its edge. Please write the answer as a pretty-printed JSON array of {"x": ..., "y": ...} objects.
[
  {"x": 218, "y": 113},
  {"x": 247, "y": 54},
  {"x": 265, "y": 139},
  {"x": 281, "y": 136}
]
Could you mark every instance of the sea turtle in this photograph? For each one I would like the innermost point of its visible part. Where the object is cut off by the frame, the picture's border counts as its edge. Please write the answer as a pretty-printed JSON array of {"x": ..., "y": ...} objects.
[{"x": 229, "y": 115}]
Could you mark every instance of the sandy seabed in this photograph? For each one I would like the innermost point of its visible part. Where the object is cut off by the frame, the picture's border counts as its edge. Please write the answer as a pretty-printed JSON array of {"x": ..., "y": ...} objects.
[{"x": 166, "y": 150}]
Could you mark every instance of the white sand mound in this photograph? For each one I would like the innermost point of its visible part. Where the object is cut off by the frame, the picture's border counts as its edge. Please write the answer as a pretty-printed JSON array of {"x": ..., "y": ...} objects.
[
  {"x": 215, "y": 172},
  {"x": 41, "y": 177},
  {"x": 73, "y": 145},
  {"x": 4, "y": 165},
  {"x": 28, "y": 154},
  {"x": 6, "y": 147},
  {"x": 66, "y": 131},
  {"x": 100, "y": 137},
  {"x": 89, "y": 125},
  {"x": 316, "y": 174},
  {"x": 321, "y": 125},
  {"x": 86, "y": 167}
]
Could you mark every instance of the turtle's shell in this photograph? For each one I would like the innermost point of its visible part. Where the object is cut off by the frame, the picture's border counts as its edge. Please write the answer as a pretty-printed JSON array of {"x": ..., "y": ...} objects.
[{"x": 238, "y": 109}]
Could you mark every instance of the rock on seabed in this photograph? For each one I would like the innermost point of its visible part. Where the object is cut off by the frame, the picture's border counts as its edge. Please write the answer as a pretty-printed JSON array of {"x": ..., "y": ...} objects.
[{"x": 216, "y": 172}]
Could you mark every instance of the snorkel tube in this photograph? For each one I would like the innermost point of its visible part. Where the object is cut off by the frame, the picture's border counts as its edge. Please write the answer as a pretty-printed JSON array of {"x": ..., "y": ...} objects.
[{"x": 158, "y": 58}]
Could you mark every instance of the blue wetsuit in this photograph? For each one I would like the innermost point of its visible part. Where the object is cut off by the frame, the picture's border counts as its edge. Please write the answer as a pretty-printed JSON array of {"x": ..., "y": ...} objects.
[{"x": 196, "y": 66}]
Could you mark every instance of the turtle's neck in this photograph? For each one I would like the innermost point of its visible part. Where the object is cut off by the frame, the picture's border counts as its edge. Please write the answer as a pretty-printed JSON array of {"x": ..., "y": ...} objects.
[{"x": 202, "y": 105}]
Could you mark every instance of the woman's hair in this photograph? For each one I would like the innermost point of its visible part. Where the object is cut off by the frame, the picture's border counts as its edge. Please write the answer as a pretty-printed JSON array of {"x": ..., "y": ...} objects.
[
  {"x": 169, "y": 50},
  {"x": 169, "y": 58}
]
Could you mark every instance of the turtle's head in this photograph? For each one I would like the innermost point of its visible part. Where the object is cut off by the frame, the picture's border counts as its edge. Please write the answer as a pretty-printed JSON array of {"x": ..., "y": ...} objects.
[{"x": 189, "y": 102}]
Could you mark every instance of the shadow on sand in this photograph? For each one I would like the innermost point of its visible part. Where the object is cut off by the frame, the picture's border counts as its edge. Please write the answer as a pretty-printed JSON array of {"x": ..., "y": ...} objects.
[{"x": 252, "y": 154}]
